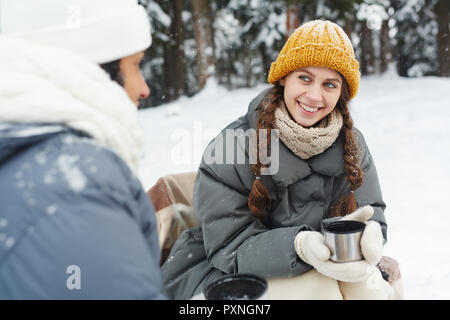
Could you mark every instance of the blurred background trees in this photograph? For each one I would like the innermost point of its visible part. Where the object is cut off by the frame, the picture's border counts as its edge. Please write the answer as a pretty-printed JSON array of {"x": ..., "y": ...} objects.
[{"x": 235, "y": 41}]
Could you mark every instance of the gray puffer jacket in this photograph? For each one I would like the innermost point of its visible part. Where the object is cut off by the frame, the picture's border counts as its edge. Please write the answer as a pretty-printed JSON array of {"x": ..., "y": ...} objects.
[
  {"x": 230, "y": 239},
  {"x": 75, "y": 222}
]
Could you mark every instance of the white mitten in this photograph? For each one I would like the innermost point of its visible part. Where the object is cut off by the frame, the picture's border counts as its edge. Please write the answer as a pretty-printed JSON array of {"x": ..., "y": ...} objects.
[
  {"x": 372, "y": 243},
  {"x": 311, "y": 248},
  {"x": 372, "y": 238},
  {"x": 361, "y": 214}
]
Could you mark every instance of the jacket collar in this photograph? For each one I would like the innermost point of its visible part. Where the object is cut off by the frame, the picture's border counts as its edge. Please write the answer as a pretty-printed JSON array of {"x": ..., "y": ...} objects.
[
  {"x": 15, "y": 137},
  {"x": 291, "y": 167}
]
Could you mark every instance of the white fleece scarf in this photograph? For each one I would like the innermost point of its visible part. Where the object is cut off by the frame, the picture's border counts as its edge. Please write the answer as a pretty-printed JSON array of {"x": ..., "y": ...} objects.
[{"x": 43, "y": 84}]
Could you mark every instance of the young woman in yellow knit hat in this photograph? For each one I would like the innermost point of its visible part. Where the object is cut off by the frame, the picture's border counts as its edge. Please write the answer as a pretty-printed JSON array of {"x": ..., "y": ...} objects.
[{"x": 265, "y": 218}]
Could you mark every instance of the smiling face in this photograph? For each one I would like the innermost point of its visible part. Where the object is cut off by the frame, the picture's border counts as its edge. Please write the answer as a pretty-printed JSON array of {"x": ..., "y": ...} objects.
[{"x": 311, "y": 93}]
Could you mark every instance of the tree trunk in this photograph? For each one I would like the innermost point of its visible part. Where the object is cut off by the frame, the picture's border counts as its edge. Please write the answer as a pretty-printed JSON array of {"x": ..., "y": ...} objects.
[
  {"x": 177, "y": 31},
  {"x": 204, "y": 38},
  {"x": 348, "y": 28},
  {"x": 169, "y": 73},
  {"x": 399, "y": 55},
  {"x": 367, "y": 50},
  {"x": 443, "y": 37},
  {"x": 170, "y": 54},
  {"x": 292, "y": 21},
  {"x": 385, "y": 47}
]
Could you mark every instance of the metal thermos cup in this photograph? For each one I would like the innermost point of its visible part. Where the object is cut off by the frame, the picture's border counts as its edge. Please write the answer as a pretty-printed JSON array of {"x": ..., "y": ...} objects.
[{"x": 343, "y": 238}]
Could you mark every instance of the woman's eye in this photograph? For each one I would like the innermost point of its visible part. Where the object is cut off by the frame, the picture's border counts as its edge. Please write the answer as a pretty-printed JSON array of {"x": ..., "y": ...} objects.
[
  {"x": 305, "y": 78},
  {"x": 330, "y": 85}
]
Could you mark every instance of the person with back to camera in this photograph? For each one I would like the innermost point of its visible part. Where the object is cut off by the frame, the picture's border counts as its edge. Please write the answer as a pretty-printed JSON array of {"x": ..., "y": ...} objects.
[
  {"x": 269, "y": 224},
  {"x": 75, "y": 222}
]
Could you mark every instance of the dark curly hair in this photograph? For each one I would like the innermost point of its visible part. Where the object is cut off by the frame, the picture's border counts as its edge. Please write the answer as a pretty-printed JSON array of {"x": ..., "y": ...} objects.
[{"x": 113, "y": 69}]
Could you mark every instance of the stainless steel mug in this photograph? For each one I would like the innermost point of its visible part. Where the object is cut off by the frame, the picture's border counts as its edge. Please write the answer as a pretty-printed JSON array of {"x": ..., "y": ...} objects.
[
  {"x": 242, "y": 286},
  {"x": 343, "y": 238}
]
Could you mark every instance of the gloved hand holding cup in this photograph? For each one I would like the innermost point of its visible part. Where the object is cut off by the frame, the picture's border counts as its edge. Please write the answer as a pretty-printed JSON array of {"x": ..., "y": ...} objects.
[
  {"x": 345, "y": 258},
  {"x": 355, "y": 238}
]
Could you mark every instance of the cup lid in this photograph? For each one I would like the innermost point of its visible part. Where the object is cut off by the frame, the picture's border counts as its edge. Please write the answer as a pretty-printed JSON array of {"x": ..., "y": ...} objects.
[
  {"x": 344, "y": 226},
  {"x": 241, "y": 286}
]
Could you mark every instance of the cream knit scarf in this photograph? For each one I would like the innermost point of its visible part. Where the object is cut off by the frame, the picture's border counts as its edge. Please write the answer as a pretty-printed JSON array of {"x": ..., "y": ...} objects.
[{"x": 307, "y": 142}]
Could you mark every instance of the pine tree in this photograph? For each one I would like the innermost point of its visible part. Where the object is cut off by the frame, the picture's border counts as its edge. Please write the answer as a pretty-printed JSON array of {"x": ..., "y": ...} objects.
[
  {"x": 248, "y": 36},
  {"x": 153, "y": 64},
  {"x": 415, "y": 49}
]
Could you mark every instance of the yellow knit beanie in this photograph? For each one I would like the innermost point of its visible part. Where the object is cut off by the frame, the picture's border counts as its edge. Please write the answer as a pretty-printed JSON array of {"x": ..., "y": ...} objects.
[{"x": 318, "y": 43}]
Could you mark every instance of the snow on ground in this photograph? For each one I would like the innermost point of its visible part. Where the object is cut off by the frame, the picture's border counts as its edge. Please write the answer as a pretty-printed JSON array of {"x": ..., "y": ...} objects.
[{"x": 406, "y": 125}]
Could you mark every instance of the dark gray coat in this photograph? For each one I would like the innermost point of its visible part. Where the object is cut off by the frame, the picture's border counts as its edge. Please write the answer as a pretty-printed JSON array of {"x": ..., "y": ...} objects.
[{"x": 230, "y": 239}]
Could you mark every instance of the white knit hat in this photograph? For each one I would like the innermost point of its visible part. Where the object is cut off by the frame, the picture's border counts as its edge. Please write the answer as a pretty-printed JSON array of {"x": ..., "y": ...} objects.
[{"x": 102, "y": 30}]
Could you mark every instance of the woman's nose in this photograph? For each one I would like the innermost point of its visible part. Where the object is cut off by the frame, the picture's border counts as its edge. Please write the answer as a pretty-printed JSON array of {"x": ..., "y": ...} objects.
[
  {"x": 145, "y": 90},
  {"x": 314, "y": 93}
]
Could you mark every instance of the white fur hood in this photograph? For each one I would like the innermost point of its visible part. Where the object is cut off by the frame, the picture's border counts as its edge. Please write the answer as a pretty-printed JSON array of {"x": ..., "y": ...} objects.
[{"x": 49, "y": 85}]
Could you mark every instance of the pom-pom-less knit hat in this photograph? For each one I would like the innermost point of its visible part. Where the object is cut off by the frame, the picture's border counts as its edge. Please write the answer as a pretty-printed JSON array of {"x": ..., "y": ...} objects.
[
  {"x": 101, "y": 30},
  {"x": 318, "y": 43}
]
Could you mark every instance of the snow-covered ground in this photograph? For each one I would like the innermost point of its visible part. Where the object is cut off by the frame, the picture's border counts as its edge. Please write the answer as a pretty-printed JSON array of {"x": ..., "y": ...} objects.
[{"x": 406, "y": 123}]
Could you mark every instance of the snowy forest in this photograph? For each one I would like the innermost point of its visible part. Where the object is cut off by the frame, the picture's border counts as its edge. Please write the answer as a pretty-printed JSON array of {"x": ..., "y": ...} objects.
[{"x": 235, "y": 41}]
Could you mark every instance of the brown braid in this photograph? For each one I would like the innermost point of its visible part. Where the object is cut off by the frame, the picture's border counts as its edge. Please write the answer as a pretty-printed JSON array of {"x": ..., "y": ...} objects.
[
  {"x": 353, "y": 172},
  {"x": 259, "y": 198}
]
